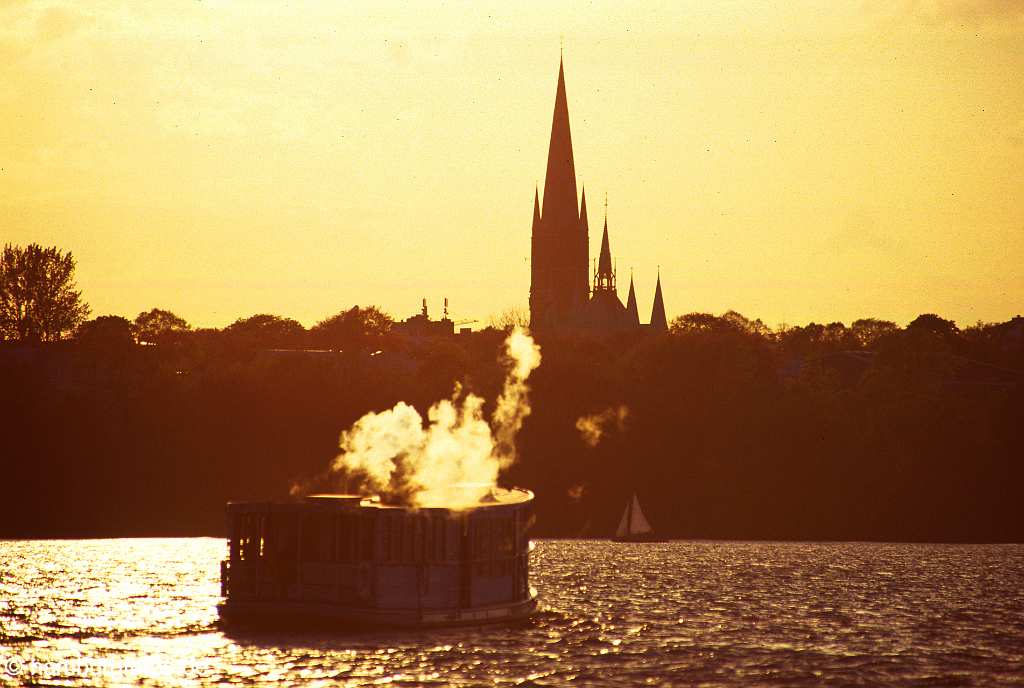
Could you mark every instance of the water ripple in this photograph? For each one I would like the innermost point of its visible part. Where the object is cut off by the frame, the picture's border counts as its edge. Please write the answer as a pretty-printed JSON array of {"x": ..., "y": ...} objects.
[{"x": 142, "y": 612}]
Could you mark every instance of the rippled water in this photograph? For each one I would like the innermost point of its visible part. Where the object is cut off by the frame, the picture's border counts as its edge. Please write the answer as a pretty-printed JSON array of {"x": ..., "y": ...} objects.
[{"x": 131, "y": 612}]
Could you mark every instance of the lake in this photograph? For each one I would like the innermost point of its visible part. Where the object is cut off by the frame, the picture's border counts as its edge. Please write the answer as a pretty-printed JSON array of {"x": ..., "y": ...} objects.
[{"x": 142, "y": 612}]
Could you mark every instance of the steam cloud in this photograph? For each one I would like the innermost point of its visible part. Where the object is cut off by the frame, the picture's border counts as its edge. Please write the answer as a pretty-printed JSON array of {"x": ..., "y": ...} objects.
[
  {"x": 455, "y": 457},
  {"x": 593, "y": 427}
]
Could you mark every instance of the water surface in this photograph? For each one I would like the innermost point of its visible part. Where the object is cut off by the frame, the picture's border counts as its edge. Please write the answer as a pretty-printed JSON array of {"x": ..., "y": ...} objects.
[{"x": 142, "y": 612}]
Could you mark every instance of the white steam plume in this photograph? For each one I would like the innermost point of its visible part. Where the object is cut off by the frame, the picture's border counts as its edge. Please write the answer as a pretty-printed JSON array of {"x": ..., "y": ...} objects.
[
  {"x": 456, "y": 457},
  {"x": 593, "y": 427},
  {"x": 522, "y": 356}
]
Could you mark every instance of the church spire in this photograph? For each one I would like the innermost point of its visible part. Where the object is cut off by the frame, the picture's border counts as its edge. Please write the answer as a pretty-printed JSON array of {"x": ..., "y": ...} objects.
[
  {"x": 604, "y": 262},
  {"x": 560, "y": 179},
  {"x": 658, "y": 321},
  {"x": 632, "y": 312},
  {"x": 604, "y": 276},
  {"x": 584, "y": 223},
  {"x": 560, "y": 251},
  {"x": 536, "y": 208}
]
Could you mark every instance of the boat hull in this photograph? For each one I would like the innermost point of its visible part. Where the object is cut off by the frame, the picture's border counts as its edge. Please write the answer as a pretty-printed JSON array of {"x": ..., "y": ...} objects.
[
  {"x": 338, "y": 617},
  {"x": 646, "y": 537}
]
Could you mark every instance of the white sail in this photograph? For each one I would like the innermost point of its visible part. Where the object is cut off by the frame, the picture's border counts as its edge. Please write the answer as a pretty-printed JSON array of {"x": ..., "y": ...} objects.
[
  {"x": 638, "y": 525},
  {"x": 633, "y": 521},
  {"x": 623, "y": 528}
]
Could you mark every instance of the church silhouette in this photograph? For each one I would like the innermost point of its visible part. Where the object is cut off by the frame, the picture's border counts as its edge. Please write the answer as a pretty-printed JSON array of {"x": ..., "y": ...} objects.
[{"x": 562, "y": 295}]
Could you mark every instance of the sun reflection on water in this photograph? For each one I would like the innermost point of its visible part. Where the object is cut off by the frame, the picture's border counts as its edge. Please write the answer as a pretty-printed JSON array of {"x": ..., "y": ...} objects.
[{"x": 143, "y": 612}]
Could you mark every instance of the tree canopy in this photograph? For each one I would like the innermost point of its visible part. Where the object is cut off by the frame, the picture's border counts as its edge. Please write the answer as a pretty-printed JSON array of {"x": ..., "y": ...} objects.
[
  {"x": 158, "y": 326},
  {"x": 38, "y": 298},
  {"x": 106, "y": 332},
  {"x": 509, "y": 319},
  {"x": 266, "y": 332},
  {"x": 357, "y": 329}
]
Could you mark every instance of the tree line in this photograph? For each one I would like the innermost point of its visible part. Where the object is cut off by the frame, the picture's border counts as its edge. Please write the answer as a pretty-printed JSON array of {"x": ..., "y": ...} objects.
[
  {"x": 734, "y": 429},
  {"x": 40, "y": 302}
]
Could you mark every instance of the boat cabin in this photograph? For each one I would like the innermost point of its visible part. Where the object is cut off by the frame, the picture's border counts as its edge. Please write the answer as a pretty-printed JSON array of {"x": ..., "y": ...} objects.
[{"x": 352, "y": 558}]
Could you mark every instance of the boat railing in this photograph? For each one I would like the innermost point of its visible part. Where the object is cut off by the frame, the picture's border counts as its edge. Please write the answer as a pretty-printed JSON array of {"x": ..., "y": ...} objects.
[{"x": 225, "y": 577}]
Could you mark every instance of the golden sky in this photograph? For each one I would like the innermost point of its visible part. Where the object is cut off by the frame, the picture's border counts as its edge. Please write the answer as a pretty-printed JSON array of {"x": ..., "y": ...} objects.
[{"x": 794, "y": 161}]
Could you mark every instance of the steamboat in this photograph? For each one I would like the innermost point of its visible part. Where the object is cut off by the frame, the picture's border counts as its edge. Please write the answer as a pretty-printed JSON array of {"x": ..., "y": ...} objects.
[{"x": 346, "y": 561}]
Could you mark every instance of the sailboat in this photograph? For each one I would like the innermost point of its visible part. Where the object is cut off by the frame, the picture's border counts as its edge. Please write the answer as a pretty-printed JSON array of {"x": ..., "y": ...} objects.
[{"x": 634, "y": 527}]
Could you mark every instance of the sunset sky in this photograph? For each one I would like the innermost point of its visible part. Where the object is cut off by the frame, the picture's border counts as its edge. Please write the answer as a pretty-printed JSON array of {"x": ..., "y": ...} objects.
[{"x": 792, "y": 161}]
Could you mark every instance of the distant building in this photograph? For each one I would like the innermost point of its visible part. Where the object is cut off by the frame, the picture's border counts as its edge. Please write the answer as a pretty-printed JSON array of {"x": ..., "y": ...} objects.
[
  {"x": 562, "y": 295},
  {"x": 421, "y": 325}
]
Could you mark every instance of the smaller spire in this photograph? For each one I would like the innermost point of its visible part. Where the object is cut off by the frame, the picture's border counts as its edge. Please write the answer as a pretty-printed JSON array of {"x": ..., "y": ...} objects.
[
  {"x": 659, "y": 323},
  {"x": 632, "y": 312},
  {"x": 536, "y": 207},
  {"x": 604, "y": 263},
  {"x": 604, "y": 275}
]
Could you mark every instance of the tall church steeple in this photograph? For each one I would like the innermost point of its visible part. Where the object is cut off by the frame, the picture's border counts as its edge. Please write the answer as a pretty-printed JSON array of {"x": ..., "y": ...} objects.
[
  {"x": 559, "y": 286},
  {"x": 562, "y": 296},
  {"x": 560, "y": 180}
]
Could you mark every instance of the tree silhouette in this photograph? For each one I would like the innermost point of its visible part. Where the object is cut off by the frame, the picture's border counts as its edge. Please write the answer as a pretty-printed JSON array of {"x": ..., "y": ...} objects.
[
  {"x": 357, "y": 329},
  {"x": 158, "y": 326},
  {"x": 933, "y": 324},
  {"x": 106, "y": 332},
  {"x": 700, "y": 322},
  {"x": 265, "y": 331},
  {"x": 867, "y": 331},
  {"x": 741, "y": 322},
  {"x": 509, "y": 319},
  {"x": 818, "y": 338},
  {"x": 38, "y": 299}
]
